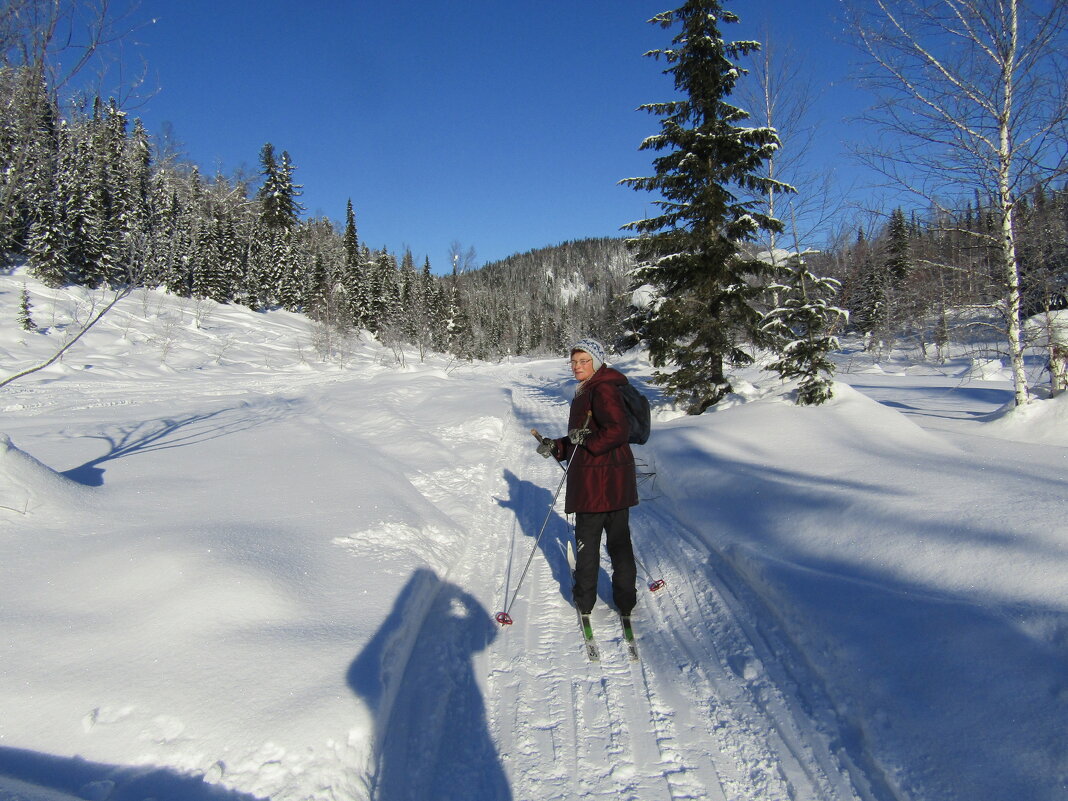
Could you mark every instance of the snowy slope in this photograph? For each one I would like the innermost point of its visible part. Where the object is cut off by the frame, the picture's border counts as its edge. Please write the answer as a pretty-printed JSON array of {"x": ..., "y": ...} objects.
[{"x": 231, "y": 570}]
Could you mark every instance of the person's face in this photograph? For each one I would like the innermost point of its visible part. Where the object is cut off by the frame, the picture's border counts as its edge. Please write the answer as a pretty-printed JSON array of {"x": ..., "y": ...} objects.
[{"x": 581, "y": 365}]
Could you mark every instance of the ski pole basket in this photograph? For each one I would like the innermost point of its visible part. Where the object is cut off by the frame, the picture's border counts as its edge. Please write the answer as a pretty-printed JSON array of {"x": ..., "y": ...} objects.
[
  {"x": 503, "y": 618},
  {"x": 659, "y": 584}
]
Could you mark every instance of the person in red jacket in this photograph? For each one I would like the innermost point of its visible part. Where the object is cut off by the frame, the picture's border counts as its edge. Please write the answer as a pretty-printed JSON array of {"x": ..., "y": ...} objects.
[{"x": 601, "y": 480}]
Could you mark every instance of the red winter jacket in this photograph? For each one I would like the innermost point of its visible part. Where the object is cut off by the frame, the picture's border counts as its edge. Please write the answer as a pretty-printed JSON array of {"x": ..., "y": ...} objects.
[{"x": 601, "y": 475}]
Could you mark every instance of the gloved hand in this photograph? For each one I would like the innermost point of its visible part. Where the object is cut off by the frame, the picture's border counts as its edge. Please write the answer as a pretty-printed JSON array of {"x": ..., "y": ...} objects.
[
  {"x": 578, "y": 435},
  {"x": 546, "y": 447}
]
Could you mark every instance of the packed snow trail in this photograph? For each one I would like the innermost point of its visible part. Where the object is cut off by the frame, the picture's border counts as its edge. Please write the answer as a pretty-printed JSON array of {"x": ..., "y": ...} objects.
[
  {"x": 471, "y": 710},
  {"x": 699, "y": 717}
]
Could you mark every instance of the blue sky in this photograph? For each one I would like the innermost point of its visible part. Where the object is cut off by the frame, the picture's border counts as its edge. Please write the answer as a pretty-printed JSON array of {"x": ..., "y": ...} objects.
[{"x": 500, "y": 125}]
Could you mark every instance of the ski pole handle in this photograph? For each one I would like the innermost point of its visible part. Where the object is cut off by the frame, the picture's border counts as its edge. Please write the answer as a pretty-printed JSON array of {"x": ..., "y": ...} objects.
[{"x": 546, "y": 446}]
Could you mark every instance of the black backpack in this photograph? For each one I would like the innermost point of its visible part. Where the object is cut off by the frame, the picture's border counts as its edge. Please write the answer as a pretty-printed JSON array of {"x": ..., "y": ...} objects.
[{"x": 639, "y": 418}]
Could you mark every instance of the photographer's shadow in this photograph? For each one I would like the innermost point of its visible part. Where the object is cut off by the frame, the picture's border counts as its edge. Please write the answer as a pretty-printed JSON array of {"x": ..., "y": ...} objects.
[{"x": 417, "y": 676}]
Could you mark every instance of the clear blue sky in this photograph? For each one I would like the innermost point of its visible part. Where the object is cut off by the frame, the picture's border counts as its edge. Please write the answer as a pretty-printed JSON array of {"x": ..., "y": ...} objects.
[{"x": 500, "y": 125}]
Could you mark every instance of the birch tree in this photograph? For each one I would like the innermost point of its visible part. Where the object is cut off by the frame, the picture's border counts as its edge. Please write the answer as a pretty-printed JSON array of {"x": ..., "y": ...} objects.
[
  {"x": 781, "y": 95},
  {"x": 972, "y": 95}
]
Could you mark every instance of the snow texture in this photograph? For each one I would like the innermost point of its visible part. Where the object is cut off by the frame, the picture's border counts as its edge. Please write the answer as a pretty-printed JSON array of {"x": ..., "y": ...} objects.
[{"x": 230, "y": 570}]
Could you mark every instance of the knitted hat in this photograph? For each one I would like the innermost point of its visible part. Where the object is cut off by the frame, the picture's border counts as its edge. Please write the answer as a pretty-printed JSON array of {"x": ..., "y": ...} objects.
[{"x": 592, "y": 347}]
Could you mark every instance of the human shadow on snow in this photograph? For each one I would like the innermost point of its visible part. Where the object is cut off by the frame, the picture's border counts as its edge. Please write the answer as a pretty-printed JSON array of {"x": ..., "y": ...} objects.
[
  {"x": 533, "y": 508},
  {"x": 79, "y": 778},
  {"x": 417, "y": 676}
]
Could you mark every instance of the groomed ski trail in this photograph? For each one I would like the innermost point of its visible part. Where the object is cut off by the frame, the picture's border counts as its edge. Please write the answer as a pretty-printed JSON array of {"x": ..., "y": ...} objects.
[{"x": 712, "y": 711}]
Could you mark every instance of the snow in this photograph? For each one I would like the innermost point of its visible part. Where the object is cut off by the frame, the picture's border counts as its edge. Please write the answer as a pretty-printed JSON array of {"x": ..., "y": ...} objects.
[
  {"x": 644, "y": 296},
  {"x": 232, "y": 570},
  {"x": 1046, "y": 327}
]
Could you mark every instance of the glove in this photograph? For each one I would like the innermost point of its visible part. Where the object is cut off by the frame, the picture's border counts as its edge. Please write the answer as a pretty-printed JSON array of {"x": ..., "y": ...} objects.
[
  {"x": 546, "y": 447},
  {"x": 578, "y": 435}
]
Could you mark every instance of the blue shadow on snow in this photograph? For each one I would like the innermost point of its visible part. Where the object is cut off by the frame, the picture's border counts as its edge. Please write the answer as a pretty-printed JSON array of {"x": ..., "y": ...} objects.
[
  {"x": 416, "y": 674},
  {"x": 154, "y": 435},
  {"x": 79, "y": 778},
  {"x": 533, "y": 507}
]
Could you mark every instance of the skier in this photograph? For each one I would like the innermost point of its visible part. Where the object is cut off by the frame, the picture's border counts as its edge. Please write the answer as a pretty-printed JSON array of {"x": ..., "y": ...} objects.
[{"x": 601, "y": 479}]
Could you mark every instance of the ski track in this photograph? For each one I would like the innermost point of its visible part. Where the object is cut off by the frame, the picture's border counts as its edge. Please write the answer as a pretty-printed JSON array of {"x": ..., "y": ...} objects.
[{"x": 689, "y": 721}]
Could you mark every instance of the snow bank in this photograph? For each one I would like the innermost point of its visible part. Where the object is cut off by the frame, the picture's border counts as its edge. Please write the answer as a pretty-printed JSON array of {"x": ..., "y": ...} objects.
[
  {"x": 1043, "y": 421},
  {"x": 922, "y": 576},
  {"x": 27, "y": 486}
]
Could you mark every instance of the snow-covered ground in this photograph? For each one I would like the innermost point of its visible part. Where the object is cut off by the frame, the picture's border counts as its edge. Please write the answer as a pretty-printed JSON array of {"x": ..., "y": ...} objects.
[{"x": 231, "y": 570}]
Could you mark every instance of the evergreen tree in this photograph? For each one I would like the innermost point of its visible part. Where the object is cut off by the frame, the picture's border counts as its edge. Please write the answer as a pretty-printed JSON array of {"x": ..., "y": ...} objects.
[
  {"x": 261, "y": 279},
  {"x": 208, "y": 278},
  {"x": 385, "y": 297},
  {"x": 278, "y": 194},
  {"x": 26, "y": 322},
  {"x": 705, "y": 291},
  {"x": 29, "y": 120},
  {"x": 458, "y": 326},
  {"x": 285, "y": 274},
  {"x": 319, "y": 306},
  {"x": 75, "y": 192},
  {"x": 871, "y": 303},
  {"x": 232, "y": 252},
  {"x": 47, "y": 244},
  {"x": 801, "y": 330},
  {"x": 171, "y": 248},
  {"x": 350, "y": 238},
  {"x": 353, "y": 276},
  {"x": 110, "y": 202},
  {"x": 897, "y": 262},
  {"x": 411, "y": 299}
]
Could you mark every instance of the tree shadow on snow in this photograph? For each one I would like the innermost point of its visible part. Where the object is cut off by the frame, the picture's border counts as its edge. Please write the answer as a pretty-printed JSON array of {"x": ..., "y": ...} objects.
[
  {"x": 156, "y": 435},
  {"x": 21, "y": 770},
  {"x": 944, "y": 404},
  {"x": 416, "y": 674},
  {"x": 904, "y": 666}
]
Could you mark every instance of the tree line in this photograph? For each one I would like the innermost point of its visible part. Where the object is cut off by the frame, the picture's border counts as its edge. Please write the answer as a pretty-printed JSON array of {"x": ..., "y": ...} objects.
[
  {"x": 87, "y": 202},
  {"x": 928, "y": 280},
  {"x": 704, "y": 284}
]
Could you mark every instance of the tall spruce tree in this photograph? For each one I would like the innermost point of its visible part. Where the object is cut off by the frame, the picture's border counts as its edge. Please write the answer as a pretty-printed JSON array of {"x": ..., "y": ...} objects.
[
  {"x": 898, "y": 263},
  {"x": 704, "y": 292},
  {"x": 278, "y": 194}
]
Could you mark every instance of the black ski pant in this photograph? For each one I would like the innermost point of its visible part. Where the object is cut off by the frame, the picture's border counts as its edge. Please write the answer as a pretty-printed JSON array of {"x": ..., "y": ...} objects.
[{"x": 588, "y": 528}]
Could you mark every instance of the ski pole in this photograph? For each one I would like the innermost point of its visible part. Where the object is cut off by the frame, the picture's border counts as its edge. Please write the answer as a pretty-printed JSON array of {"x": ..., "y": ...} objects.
[
  {"x": 653, "y": 584},
  {"x": 503, "y": 617}
]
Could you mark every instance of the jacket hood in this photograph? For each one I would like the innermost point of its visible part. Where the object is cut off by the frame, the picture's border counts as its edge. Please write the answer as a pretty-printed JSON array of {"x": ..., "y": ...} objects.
[{"x": 608, "y": 375}]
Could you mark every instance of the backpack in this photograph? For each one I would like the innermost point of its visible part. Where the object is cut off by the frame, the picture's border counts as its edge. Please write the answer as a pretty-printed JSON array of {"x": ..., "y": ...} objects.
[{"x": 636, "y": 408}]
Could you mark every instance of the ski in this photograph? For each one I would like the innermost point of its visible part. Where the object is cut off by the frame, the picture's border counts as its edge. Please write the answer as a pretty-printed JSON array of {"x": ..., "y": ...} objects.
[
  {"x": 593, "y": 653},
  {"x": 628, "y": 638}
]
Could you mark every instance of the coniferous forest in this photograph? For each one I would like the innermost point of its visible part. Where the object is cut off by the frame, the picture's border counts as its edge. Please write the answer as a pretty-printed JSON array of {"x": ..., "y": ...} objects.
[
  {"x": 87, "y": 197},
  {"x": 95, "y": 205}
]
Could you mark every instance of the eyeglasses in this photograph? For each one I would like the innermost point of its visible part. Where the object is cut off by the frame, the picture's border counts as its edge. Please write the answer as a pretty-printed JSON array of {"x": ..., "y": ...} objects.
[{"x": 580, "y": 362}]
